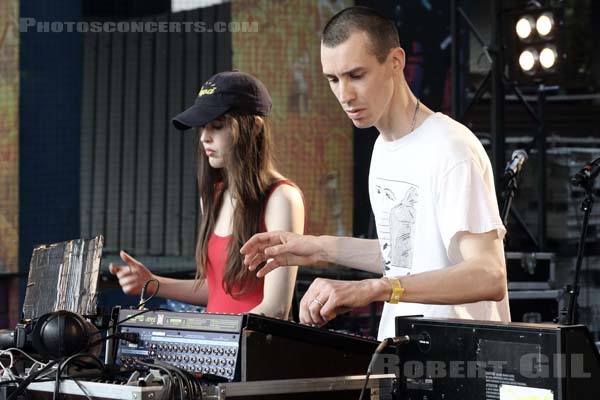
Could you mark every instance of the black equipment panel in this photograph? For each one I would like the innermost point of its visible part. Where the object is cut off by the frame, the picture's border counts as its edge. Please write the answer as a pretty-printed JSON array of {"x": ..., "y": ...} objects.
[
  {"x": 243, "y": 347},
  {"x": 457, "y": 359}
]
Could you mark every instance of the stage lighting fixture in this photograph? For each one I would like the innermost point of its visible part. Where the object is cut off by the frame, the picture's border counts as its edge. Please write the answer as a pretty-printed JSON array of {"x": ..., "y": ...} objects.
[
  {"x": 528, "y": 60},
  {"x": 548, "y": 58},
  {"x": 544, "y": 24},
  {"x": 535, "y": 51},
  {"x": 524, "y": 27}
]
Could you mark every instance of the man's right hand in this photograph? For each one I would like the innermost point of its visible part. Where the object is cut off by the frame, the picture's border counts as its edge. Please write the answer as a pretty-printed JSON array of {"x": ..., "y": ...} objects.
[
  {"x": 132, "y": 276},
  {"x": 278, "y": 248}
]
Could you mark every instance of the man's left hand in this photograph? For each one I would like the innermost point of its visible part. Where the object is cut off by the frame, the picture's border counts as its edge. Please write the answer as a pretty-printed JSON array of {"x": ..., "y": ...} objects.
[{"x": 326, "y": 298}]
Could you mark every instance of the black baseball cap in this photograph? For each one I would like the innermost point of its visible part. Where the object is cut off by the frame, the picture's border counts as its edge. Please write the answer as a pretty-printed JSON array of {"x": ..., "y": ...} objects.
[{"x": 233, "y": 91}]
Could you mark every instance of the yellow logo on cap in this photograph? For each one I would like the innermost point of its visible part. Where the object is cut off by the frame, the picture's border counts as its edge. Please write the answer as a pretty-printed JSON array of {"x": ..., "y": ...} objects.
[{"x": 208, "y": 88}]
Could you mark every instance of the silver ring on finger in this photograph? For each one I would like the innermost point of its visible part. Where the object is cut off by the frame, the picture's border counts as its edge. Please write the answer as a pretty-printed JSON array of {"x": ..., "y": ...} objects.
[{"x": 316, "y": 300}]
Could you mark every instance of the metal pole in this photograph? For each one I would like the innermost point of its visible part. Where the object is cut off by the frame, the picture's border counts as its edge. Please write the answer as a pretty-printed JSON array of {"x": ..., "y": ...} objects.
[
  {"x": 497, "y": 91},
  {"x": 455, "y": 61},
  {"x": 541, "y": 150},
  {"x": 586, "y": 207}
]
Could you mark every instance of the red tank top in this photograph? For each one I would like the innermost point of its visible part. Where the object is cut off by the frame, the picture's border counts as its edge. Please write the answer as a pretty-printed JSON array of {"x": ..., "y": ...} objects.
[{"x": 219, "y": 301}]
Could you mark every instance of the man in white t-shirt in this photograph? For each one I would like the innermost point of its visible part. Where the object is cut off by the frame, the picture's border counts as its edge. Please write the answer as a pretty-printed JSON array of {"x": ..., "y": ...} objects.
[{"x": 431, "y": 189}]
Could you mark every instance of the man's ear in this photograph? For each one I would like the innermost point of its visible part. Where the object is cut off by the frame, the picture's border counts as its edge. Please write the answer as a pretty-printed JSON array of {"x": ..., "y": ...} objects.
[
  {"x": 258, "y": 120},
  {"x": 398, "y": 58}
]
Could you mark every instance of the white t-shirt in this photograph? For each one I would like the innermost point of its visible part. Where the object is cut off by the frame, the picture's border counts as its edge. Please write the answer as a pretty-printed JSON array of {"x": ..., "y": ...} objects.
[{"x": 425, "y": 188}]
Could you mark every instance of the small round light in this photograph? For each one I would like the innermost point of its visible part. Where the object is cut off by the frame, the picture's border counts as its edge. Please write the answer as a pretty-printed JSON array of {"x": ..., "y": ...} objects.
[
  {"x": 524, "y": 27},
  {"x": 527, "y": 59},
  {"x": 548, "y": 58},
  {"x": 544, "y": 24}
]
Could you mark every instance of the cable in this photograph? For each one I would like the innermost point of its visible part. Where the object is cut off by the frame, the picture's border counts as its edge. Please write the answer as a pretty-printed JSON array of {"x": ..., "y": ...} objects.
[
  {"x": 138, "y": 314},
  {"x": 167, "y": 383},
  {"x": 21, "y": 388},
  {"x": 83, "y": 389},
  {"x": 131, "y": 337},
  {"x": 384, "y": 343},
  {"x": 56, "y": 394},
  {"x": 25, "y": 354},
  {"x": 143, "y": 293},
  {"x": 182, "y": 380},
  {"x": 170, "y": 381},
  {"x": 65, "y": 363},
  {"x": 190, "y": 382},
  {"x": 7, "y": 371}
]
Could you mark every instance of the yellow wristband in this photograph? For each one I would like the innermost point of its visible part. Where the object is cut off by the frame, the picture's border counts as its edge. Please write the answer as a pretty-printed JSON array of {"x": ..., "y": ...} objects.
[{"x": 397, "y": 290}]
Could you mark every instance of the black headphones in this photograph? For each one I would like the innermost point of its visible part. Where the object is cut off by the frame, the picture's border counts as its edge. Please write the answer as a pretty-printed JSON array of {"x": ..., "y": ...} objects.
[{"x": 63, "y": 333}]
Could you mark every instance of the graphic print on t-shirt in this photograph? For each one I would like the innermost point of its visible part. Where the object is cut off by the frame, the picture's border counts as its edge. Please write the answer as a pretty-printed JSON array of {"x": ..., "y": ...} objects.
[{"x": 395, "y": 225}]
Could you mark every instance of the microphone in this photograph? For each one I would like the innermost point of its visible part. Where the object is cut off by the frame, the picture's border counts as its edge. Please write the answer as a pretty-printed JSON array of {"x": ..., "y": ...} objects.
[
  {"x": 7, "y": 339},
  {"x": 514, "y": 166},
  {"x": 15, "y": 337},
  {"x": 589, "y": 172}
]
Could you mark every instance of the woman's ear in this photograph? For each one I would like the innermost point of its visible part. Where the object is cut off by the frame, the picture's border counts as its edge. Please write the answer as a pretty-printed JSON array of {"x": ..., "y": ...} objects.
[{"x": 258, "y": 120}]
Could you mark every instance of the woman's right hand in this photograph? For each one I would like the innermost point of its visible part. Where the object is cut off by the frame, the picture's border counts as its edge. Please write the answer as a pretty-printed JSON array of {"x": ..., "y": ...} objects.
[{"x": 132, "y": 276}]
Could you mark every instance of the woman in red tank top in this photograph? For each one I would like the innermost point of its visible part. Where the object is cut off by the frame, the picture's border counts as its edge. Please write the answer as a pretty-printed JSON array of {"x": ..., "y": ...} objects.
[{"x": 241, "y": 193}]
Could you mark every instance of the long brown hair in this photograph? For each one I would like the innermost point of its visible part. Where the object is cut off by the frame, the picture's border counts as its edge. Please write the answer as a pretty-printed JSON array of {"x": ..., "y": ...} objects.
[{"x": 248, "y": 176}]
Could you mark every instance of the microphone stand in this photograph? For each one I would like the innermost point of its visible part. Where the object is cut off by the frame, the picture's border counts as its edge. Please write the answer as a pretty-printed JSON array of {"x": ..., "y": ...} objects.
[
  {"x": 507, "y": 195},
  {"x": 573, "y": 290}
]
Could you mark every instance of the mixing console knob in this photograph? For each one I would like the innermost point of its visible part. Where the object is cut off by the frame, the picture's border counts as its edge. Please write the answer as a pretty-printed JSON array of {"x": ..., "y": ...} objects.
[
  {"x": 213, "y": 370},
  {"x": 229, "y": 371},
  {"x": 230, "y": 362},
  {"x": 223, "y": 361}
]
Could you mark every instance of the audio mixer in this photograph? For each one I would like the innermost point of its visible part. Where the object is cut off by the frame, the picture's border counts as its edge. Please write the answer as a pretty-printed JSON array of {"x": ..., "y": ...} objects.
[{"x": 244, "y": 347}]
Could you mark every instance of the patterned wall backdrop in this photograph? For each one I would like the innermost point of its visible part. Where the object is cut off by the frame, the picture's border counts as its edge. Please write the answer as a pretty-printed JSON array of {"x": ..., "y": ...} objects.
[
  {"x": 312, "y": 134},
  {"x": 9, "y": 139}
]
